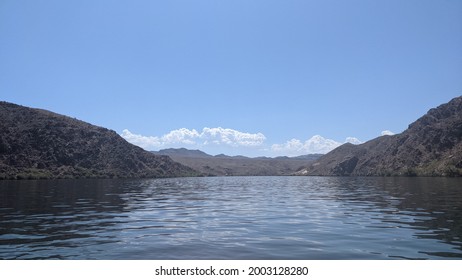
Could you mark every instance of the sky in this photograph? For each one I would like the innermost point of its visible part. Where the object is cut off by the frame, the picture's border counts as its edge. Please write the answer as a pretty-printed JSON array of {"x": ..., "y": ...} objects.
[{"x": 249, "y": 77}]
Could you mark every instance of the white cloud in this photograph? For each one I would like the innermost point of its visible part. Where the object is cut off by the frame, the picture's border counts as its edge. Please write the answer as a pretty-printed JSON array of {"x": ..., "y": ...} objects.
[
  {"x": 315, "y": 145},
  {"x": 146, "y": 142},
  {"x": 387, "y": 132},
  {"x": 231, "y": 137},
  {"x": 192, "y": 138},
  {"x": 230, "y": 141},
  {"x": 353, "y": 140},
  {"x": 180, "y": 136}
]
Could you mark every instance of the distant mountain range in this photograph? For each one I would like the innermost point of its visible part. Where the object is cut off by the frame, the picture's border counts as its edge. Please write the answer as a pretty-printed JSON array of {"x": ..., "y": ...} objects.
[
  {"x": 431, "y": 146},
  {"x": 35, "y": 143},
  {"x": 223, "y": 165}
]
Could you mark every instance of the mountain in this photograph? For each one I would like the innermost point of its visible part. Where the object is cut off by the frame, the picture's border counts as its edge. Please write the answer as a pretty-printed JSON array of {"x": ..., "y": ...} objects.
[
  {"x": 309, "y": 157},
  {"x": 431, "y": 146},
  {"x": 223, "y": 165},
  {"x": 36, "y": 143},
  {"x": 182, "y": 152}
]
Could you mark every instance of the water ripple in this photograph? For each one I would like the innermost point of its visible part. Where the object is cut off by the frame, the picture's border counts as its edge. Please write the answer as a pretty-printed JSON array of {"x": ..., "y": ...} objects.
[{"x": 232, "y": 218}]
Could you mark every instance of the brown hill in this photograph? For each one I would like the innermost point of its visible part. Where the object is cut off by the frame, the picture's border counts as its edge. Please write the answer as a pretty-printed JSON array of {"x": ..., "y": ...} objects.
[
  {"x": 222, "y": 165},
  {"x": 431, "y": 146},
  {"x": 35, "y": 143}
]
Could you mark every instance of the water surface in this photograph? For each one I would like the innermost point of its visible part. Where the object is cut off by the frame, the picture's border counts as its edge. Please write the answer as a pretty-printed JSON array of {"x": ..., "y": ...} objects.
[{"x": 232, "y": 218}]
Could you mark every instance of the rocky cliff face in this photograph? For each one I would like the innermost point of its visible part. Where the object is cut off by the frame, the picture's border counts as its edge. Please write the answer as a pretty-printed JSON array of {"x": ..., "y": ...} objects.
[
  {"x": 431, "y": 146},
  {"x": 36, "y": 143}
]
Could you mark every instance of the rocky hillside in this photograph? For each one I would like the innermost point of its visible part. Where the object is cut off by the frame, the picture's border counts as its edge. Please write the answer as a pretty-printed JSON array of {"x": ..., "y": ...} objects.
[
  {"x": 223, "y": 165},
  {"x": 36, "y": 143},
  {"x": 431, "y": 146}
]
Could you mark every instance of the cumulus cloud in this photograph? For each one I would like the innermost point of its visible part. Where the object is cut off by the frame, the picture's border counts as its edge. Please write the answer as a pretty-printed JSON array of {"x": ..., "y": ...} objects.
[
  {"x": 192, "y": 138},
  {"x": 387, "y": 132},
  {"x": 231, "y": 137},
  {"x": 226, "y": 140},
  {"x": 353, "y": 140},
  {"x": 315, "y": 145},
  {"x": 146, "y": 142}
]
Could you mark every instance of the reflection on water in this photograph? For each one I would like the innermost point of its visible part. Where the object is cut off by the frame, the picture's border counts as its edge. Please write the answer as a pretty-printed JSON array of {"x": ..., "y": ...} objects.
[{"x": 232, "y": 218}]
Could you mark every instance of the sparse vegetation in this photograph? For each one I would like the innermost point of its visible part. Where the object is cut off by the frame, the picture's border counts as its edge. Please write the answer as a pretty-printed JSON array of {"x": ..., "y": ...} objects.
[
  {"x": 431, "y": 146},
  {"x": 38, "y": 144},
  {"x": 222, "y": 165}
]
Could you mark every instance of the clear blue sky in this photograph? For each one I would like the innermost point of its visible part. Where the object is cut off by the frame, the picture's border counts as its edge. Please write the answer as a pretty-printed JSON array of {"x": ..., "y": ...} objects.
[{"x": 285, "y": 69}]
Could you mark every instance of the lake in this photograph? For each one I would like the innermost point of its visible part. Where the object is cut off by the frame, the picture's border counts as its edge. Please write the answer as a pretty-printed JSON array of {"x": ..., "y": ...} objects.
[{"x": 232, "y": 218}]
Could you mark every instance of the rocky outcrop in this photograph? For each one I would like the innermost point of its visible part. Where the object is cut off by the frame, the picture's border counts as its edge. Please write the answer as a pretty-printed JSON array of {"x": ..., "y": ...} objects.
[
  {"x": 431, "y": 146},
  {"x": 35, "y": 143}
]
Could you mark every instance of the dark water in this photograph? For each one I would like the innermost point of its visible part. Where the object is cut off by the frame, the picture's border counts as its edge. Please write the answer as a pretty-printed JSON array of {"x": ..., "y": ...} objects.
[{"x": 232, "y": 218}]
